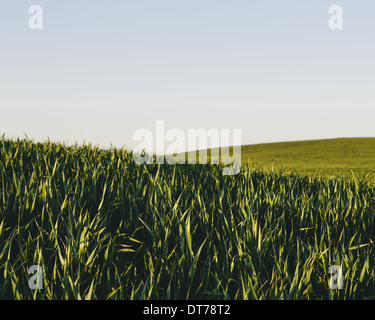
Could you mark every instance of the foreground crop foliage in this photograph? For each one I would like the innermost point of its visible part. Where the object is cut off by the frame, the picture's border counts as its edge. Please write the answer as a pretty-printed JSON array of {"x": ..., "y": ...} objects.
[{"x": 103, "y": 227}]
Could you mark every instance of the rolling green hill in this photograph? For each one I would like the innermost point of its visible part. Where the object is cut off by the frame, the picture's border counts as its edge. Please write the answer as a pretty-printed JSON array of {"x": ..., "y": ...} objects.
[
  {"x": 330, "y": 157},
  {"x": 326, "y": 157}
]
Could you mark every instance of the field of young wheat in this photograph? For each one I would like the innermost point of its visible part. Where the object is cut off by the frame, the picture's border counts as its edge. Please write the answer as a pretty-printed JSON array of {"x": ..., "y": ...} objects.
[{"x": 102, "y": 227}]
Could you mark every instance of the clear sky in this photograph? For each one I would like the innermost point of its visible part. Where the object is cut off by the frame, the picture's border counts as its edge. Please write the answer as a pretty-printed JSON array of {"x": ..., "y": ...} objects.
[{"x": 100, "y": 70}]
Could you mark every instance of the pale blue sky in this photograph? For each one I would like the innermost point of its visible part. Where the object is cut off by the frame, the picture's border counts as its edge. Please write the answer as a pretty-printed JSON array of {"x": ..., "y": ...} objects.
[{"x": 100, "y": 70}]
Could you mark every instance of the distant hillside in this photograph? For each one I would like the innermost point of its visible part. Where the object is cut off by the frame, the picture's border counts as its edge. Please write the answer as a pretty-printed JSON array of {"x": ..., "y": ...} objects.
[{"x": 317, "y": 157}]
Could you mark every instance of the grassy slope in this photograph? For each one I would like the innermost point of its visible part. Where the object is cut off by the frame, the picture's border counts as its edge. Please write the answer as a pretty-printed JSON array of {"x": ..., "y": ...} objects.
[
  {"x": 330, "y": 157},
  {"x": 327, "y": 157}
]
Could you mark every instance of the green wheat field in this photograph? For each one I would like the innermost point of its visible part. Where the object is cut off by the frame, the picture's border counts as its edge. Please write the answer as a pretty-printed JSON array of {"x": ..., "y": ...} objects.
[{"x": 103, "y": 227}]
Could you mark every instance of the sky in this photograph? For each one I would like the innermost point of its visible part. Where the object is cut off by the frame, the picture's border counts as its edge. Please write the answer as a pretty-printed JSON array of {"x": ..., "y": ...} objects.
[{"x": 99, "y": 71}]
